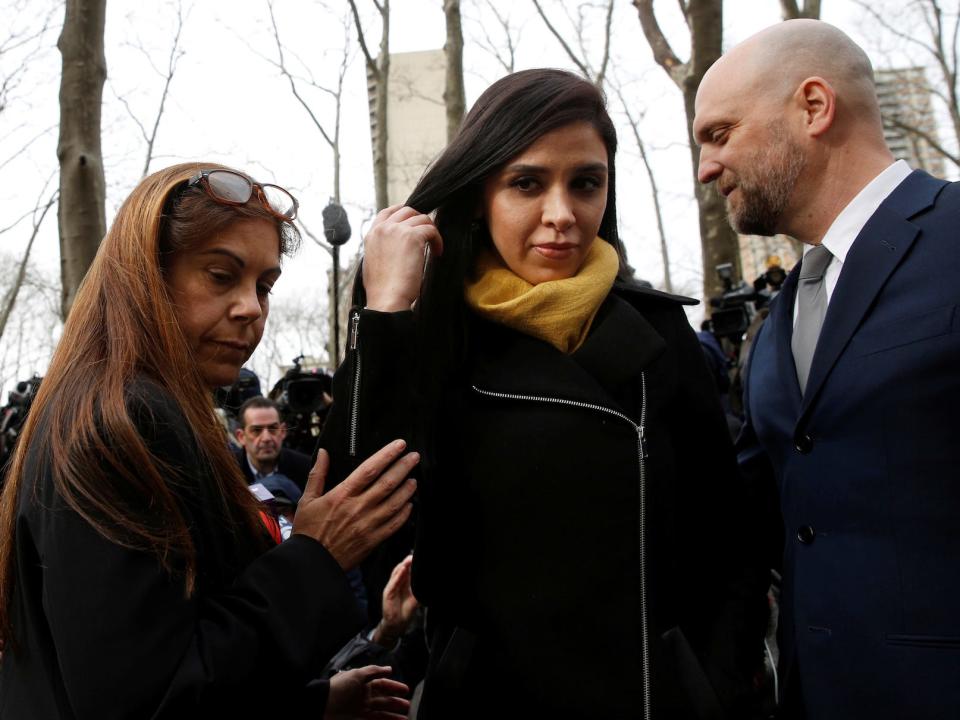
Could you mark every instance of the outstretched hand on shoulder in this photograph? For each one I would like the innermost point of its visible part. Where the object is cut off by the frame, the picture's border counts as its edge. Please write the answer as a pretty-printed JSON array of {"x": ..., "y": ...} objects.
[{"x": 369, "y": 506}]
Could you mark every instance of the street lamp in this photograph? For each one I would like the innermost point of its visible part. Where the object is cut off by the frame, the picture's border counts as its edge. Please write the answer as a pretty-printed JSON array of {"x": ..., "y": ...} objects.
[{"x": 336, "y": 228}]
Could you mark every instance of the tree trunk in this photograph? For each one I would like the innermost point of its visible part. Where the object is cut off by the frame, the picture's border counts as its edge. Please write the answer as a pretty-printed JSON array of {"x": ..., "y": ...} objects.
[
  {"x": 378, "y": 78},
  {"x": 453, "y": 95},
  {"x": 792, "y": 11},
  {"x": 380, "y": 159},
  {"x": 380, "y": 164},
  {"x": 81, "y": 214},
  {"x": 719, "y": 243}
]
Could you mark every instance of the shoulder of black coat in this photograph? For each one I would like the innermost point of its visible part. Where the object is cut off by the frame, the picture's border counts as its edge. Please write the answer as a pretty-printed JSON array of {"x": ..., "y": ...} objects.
[{"x": 641, "y": 293}]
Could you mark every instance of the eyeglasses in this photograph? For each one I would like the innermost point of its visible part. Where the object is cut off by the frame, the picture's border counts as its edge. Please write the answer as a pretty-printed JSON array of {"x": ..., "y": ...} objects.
[{"x": 232, "y": 188}]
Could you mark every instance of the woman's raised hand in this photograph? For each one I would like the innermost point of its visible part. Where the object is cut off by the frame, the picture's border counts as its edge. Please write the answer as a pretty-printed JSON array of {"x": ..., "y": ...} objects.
[
  {"x": 393, "y": 257},
  {"x": 362, "y": 511}
]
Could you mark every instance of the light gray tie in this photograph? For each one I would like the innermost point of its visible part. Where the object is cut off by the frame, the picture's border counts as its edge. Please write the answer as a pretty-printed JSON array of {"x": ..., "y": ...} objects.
[{"x": 811, "y": 309}]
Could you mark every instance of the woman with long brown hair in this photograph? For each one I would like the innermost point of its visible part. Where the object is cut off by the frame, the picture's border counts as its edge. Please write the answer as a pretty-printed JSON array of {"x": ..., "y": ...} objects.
[{"x": 136, "y": 576}]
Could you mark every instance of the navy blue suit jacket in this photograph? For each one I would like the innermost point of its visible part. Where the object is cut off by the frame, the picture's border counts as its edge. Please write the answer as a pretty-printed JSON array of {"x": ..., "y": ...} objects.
[{"x": 867, "y": 464}]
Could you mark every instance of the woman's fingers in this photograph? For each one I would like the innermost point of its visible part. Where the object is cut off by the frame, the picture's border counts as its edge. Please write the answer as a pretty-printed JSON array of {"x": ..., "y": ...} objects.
[
  {"x": 373, "y": 467},
  {"x": 317, "y": 477},
  {"x": 391, "y": 479},
  {"x": 390, "y": 525},
  {"x": 386, "y": 214},
  {"x": 384, "y": 686}
]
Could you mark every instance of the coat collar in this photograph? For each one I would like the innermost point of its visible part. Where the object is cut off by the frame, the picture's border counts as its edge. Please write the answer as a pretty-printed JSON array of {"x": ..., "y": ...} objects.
[
  {"x": 879, "y": 248},
  {"x": 621, "y": 343}
]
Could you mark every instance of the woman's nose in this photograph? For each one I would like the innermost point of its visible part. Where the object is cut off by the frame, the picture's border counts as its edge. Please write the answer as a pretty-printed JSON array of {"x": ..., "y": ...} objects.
[
  {"x": 246, "y": 305},
  {"x": 558, "y": 210}
]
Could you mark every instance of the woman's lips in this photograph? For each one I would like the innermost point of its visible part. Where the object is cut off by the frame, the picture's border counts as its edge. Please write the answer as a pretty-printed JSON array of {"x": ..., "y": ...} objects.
[
  {"x": 556, "y": 251},
  {"x": 235, "y": 345}
]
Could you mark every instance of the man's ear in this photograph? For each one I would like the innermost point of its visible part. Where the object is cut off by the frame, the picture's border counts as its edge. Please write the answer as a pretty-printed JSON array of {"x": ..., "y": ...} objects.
[
  {"x": 238, "y": 433},
  {"x": 283, "y": 431},
  {"x": 818, "y": 101}
]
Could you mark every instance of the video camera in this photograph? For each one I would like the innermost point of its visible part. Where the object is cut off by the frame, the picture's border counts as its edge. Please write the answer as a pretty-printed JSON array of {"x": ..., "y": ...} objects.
[
  {"x": 737, "y": 306},
  {"x": 304, "y": 397},
  {"x": 14, "y": 414}
]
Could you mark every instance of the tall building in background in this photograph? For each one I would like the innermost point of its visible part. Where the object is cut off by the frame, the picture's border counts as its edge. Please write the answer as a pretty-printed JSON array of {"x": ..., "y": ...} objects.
[
  {"x": 416, "y": 118},
  {"x": 904, "y": 96}
]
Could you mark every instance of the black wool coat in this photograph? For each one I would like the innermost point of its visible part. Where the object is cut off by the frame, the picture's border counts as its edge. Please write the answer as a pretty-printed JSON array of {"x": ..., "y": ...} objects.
[
  {"x": 582, "y": 541},
  {"x": 102, "y": 631}
]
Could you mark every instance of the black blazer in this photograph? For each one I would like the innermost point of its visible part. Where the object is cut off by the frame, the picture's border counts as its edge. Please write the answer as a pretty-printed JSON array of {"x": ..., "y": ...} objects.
[
  {"x": 866, "y": 465},
  {"x": 581, "y": 522},
  {"x": 101, "y": 631}
]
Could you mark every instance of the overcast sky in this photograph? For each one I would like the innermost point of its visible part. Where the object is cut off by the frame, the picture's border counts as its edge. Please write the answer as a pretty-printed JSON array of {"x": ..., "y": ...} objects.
[{"x": 228, "y": 103}]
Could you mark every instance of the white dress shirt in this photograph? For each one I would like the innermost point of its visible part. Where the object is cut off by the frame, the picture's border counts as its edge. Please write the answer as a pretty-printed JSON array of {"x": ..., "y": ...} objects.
[{"x": 848, "y": 224}]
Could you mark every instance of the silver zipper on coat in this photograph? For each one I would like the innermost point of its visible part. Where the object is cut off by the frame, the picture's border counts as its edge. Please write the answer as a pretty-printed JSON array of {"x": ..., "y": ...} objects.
[
  {"x": 642, "y": 456},
  {"x": 355, "y": 393}
]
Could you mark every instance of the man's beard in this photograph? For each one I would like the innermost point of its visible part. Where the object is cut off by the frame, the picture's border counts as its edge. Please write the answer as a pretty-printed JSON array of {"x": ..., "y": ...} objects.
[{"x": 766, "y": 186}]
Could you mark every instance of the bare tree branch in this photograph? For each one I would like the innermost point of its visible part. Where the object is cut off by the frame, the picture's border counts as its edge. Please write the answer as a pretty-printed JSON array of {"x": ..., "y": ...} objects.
[
  {"x": 310, "y": 234},
  {"x": 175, "y": 54},
  {"x": 654, "y": 190},
  {"x": 663, "y": 54},
  {"x": 896, "y": 32},
  {"x": 25, "y": 146},
  {"x": 492, "y": 47},
  {"x": 563, "y": 43},
  {"x": 606, "y": 45},
  {"x": 11, "y": 298},
  {"x": 371, "y": 63},
  {"x": 290, "y": 79},
  {"x": 133, "y": 116},
  {"x": 934, "y": 45},
  {"x": 925, "y": 136}
]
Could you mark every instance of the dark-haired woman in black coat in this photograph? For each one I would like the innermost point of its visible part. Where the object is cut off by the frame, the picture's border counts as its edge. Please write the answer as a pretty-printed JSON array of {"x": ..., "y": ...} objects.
[{"x": 581, "y": 543}]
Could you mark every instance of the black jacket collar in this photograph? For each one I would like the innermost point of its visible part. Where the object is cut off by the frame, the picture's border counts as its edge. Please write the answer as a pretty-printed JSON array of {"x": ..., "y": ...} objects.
[{"x": 621, "y": 343}]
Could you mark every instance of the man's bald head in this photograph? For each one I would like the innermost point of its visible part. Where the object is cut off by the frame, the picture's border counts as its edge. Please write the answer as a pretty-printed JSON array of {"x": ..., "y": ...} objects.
[
  {"x": 788, "y": 126},
  {"x": 772, "y": 64}
]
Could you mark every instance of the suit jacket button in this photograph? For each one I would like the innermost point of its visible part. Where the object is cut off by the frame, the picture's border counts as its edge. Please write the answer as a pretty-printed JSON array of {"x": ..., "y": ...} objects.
[
  {"x": 806, "y": 534},
  {"x": 803, "y": 443}
]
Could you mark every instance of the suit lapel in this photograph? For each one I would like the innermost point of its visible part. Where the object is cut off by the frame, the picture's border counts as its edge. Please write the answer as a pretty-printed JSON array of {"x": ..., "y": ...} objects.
[
  {"x": 882, "y": 244},
  {"x": 783, "y": 333}
]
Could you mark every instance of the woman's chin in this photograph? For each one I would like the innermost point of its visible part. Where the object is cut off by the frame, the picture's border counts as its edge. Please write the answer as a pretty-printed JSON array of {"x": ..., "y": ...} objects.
[{"x": 219, "y": 375}]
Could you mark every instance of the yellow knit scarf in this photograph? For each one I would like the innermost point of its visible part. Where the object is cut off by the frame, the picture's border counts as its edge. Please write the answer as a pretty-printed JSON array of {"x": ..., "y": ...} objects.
[{"x": 557, "y": 311}]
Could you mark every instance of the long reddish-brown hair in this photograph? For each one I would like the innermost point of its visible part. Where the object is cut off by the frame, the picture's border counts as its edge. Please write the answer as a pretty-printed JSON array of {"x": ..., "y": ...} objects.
[{"x": 123, "y": 327}]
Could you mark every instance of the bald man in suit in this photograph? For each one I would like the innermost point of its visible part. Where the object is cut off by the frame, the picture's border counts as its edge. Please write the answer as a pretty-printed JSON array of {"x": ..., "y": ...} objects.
[{"x": 853, "y": 384}]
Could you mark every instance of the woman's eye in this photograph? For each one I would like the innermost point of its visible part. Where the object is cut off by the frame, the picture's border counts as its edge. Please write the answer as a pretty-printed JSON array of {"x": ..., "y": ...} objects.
[
  {"x": 220, "y": 277},
  {"x": 263, "y": 290},
  {"x": 524, "y": 184},
  {"x": 587, "y": 183}
]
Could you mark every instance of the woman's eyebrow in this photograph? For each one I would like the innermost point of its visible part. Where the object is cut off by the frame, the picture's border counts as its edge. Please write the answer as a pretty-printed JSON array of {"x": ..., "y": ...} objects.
[
  {"x": 526, "y": 168},
  {"x": 227, "y": 253},
  {"x": 238, "y": 260}
]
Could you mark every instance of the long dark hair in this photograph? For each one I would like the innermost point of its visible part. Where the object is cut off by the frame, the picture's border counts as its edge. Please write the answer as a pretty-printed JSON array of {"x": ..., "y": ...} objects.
[
  {"x": 123, "y": 326},
  {"x": 509, "y": 117}
]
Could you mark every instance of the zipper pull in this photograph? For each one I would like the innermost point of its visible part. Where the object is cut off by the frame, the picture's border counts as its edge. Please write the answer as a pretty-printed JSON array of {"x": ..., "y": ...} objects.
[
  {"x": 354, "y": 330},
  {"x": 642, "y": 442}
]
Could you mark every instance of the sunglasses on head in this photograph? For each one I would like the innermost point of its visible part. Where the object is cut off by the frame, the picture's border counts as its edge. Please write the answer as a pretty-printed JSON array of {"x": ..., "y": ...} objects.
[{"x": 232, "y": 188}]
